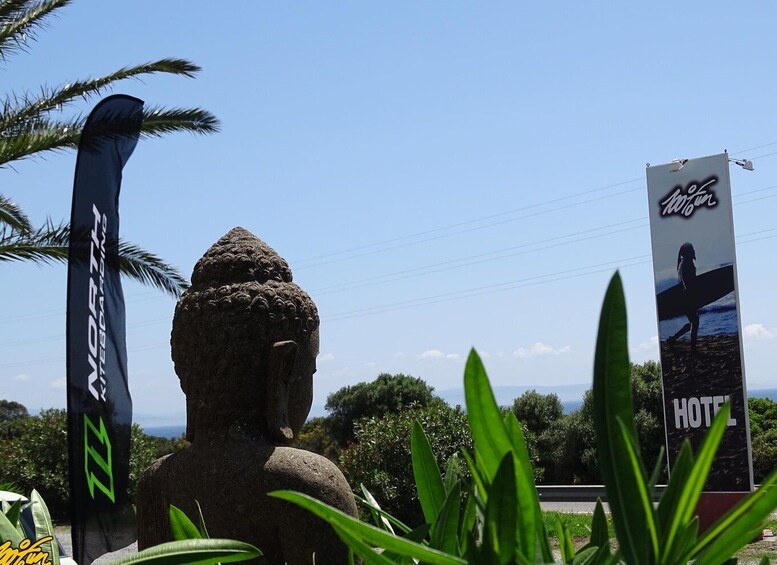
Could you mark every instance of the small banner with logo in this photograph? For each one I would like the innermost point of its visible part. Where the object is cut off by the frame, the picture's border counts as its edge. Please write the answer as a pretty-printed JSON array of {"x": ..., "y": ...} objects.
[
  {"x": 699, "y": 329},
  {"x": 99, "y": 403}
]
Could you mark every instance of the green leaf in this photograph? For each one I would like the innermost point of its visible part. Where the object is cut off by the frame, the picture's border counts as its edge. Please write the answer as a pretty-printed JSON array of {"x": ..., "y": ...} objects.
[
  {"x": 477, "y": 478},
  {"x": 368, "y": 554},
  {"x": 43, "y": 526},
  {"x": 565, "y": 544},
  {"x": 739, "y": 525},
  {"x": 685, "y": 542},
  {"x": 485, "y": 420},
  {"x": 13, "y": 511},
  {"x": 694, "y": 484},
  {"x": 366, "y": 533},
  {"x": 657, "y": 469},
  {"x": 9, "y": 532},
  {"x": 668, "y": 505},
  {"x": 181, "y": 526},
  {"x": 375, "y": 510},
  {"x": 403, "y": 528},
  {"x": 643, "y": 493},
  {"x": 600, "y": 535},
  {"x": 203, "y": 529},
  {"x": 587, "y": 556},
  {"x": 468, "y": 523},
  {"x": 445, "y": 533},
  {"x": 499, "y": 532},
  {"x": 612, "y": 401},
  {"x": 431, "y": 490},
  {"x": 530, "y": 524},
  {"x": 193, "y": 552},
  {"x": 452, "y": 472}
]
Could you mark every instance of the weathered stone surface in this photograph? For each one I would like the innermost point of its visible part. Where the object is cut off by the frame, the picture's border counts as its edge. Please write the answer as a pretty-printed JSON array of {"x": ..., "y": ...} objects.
[{"x": 244, "y": 343}]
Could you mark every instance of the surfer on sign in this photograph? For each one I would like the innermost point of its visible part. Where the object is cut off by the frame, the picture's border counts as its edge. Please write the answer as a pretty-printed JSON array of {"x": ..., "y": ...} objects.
[{"x": 686, "y": 274}]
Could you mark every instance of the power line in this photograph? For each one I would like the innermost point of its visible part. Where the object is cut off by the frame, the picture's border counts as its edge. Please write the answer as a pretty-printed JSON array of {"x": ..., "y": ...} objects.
[
  {"x": 510, "y": 285},
  {"x": 476, "y": 259},
  {"x": 467, "y": 230},
  {"x": 464, "y": 223}
]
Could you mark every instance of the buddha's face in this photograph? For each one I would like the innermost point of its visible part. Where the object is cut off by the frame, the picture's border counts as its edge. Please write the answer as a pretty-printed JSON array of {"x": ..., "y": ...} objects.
[{"x": 301, "y": 386}]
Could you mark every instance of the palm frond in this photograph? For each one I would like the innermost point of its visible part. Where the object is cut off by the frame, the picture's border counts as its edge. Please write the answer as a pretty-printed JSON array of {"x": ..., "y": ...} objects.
[
  {"x": 45, "y": 135},
  {"x": 12, "y": 216},
  {"x": 158, "y": 121},
  {"x": 39, "y": 137},
  {"x": 50, "y": 244},
  {"x": 18, "y": 110},
  {"x": 149, "y": 269},
  {"x": 19, "y": 19},
  {"x": 43, "y": 245}
]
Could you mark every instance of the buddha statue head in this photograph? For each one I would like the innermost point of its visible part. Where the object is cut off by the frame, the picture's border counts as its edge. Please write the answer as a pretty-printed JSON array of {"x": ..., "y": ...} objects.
[{"x": 244, "y": 343}]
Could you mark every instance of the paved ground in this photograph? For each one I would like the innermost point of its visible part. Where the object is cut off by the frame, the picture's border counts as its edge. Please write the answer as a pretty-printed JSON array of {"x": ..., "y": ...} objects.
[{"x": 63, "y": 534}]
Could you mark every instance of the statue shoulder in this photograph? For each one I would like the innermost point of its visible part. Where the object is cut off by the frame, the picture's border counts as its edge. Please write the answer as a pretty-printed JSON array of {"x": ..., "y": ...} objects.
[{"x": 313, "y": 474}]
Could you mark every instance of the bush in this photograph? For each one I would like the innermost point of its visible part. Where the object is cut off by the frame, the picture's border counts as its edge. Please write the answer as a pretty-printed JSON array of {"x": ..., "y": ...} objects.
[
  {"x": 387, "y": 394},
  {"x": 315, "y": 436},
  {"x": 34, "y": 455},
  {"x": 380, "y": 457}
]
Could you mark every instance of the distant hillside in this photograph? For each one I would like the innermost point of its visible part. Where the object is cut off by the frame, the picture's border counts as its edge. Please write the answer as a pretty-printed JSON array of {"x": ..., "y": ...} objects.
[{"x": 571, "y": 396}]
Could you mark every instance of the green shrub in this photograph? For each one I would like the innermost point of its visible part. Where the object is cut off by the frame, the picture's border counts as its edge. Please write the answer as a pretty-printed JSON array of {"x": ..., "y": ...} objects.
[
  {"x": 380, "y": 456},
  {"x": 387, "y": 394}
]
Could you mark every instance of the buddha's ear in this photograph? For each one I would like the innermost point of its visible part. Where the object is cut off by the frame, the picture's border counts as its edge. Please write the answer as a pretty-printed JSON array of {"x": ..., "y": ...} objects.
[{"x": 280, "y": 371}]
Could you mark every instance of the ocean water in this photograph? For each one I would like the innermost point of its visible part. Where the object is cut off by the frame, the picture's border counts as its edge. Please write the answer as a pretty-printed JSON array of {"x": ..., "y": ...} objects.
[
  {"x": 717, "y": 318},
  {"x": 170, "y": 432}
]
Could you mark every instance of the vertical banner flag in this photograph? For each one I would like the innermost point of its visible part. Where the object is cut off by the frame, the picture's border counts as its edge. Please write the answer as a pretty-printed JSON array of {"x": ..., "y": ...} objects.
[
  {"x": 98, "y": 402},
  {"x": 699, "y": 330}
]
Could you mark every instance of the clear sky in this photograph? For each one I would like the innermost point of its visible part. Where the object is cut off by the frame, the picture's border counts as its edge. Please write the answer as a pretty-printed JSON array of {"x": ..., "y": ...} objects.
[{"x": 439, "y": 175}]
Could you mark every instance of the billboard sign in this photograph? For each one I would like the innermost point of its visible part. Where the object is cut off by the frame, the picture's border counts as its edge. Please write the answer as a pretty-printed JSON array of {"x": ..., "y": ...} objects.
[{"x": 699, "y": 329}]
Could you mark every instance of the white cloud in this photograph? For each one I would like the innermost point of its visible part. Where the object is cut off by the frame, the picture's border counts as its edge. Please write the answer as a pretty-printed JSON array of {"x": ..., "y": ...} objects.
[
  {"x": 399, "y": 355},
  {"x": 22, "y": 377},
  {"x": 759, "y": 332},
  {"x": 437, "y": 354},
  {"x": 540, "y": 349},
  {"x": 649, "y": 345},
  {"x": 59, "y": 383},
  {"x": 432, "y": 354},
  {"x": 326, "y": 357}
]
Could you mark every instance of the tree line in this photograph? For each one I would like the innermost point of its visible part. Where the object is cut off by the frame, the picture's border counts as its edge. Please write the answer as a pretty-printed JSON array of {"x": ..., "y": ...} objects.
[{"x": 367, "y": 433}]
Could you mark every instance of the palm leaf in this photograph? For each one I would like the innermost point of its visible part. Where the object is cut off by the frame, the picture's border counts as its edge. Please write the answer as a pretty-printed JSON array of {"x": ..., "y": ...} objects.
[
  {"x": 21, "y": 110},
  {"x": 50, "y": 244},
  {"x": 13, "y": 216},
  {"x": 42, "y": 135},
  {"x": 19, "y": 20}
]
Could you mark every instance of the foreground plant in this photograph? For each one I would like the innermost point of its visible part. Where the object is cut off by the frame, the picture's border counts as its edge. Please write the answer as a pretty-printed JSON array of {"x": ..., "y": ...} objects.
[
  {"x": 499, "y": 520},
  {"x": 185, "y": 550}
]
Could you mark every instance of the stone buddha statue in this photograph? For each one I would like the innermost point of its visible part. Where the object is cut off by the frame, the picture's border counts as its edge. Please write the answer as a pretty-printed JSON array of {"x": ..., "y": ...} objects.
[{"x": 244, "y": 343}]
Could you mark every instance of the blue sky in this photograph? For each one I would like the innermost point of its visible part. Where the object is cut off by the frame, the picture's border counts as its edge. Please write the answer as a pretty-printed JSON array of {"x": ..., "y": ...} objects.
[{"x": 439, "y": 175}]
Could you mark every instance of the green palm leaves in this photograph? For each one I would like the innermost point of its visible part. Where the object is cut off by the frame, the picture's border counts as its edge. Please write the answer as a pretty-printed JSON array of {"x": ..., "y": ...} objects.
[{"x": 33, "y": 124}]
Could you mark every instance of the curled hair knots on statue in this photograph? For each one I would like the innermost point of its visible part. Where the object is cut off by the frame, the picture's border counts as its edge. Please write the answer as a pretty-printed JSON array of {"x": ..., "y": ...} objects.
[
  {"x": 235, "y": 310},
  {"x": 237, "y": 257}
]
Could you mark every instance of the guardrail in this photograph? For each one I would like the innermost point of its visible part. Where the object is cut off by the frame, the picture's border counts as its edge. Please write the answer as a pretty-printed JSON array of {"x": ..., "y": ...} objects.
[{"x": 580, "y": 493}]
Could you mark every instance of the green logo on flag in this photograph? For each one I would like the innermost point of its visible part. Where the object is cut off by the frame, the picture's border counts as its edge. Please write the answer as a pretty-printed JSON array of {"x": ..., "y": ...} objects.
[{"x": 97, "y": 459}]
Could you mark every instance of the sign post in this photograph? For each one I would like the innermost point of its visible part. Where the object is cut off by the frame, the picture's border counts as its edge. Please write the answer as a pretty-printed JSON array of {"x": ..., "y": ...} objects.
[{"x": 699, "y": 327}]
